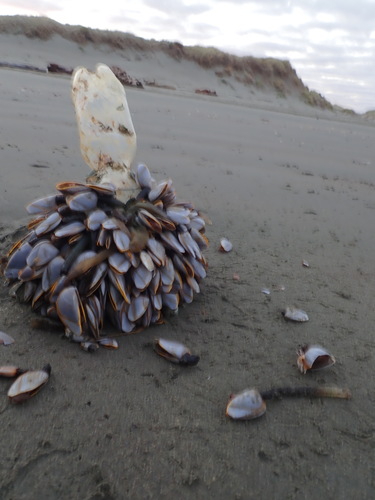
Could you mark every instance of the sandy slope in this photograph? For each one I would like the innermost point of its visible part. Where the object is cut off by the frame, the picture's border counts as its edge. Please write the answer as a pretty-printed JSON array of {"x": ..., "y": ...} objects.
[{"x": 127, "y": 424}]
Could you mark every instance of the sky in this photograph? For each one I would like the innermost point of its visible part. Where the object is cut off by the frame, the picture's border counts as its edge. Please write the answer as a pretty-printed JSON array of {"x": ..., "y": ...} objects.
[{"x": 330, "y": 43}]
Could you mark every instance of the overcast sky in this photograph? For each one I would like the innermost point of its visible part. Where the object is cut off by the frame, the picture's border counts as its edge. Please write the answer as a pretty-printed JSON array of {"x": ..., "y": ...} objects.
[{"x": 330, "y": 43}]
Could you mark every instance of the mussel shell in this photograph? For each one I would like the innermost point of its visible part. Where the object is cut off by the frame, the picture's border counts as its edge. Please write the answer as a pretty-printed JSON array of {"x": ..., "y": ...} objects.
[
  {"x": 122, "y": 240},
  {"x": 108, "y": 343},
  {"x": 147, "y": 260},
  {"x": 138, "y": 307},
  {"x": 107, "y": 188},
  {"x": 141, "y": 277},
  {"x": 17, "y": 260},
  {"x": 186, "y": 293},
  {"x": 48, "y": 224},
  {"x": 69, "y": 309},
  {"x": 197, "y": 223},
  {"x": 143, "y": 176},
  {"x": 156, "y": 251},
  {"x": 179, "y": 215},
  {"x": 200, "y": 238},
  {"x": 246, "y": 405},
  {"x": 176, "y": 352},
  {"x": 189, "y": 244},
  {"x": 30, "y": 273},
  {"x": 82, "y": 202},
  {"x": 313, "y": 357},
  {"x": 69, "y": 229},
  {"x": 42, "y": 205},
  {"x": 160, "y": 190},
  {"x": 149, "y": 221},
  {"x": 119, "y": 262},
  {"x": 72, "y": 187},
  {"x": 198, "y": 267},
  {"x": 52, "y": 272},
  {"x": 171, "y": 301},
  {"x": 41, "y": 254},
  {"x": 170, "y": 239},
  {"x": 95, "y": 219},
  {"x": 28, "y": 384},
  {"x": 94, "y": 314}
]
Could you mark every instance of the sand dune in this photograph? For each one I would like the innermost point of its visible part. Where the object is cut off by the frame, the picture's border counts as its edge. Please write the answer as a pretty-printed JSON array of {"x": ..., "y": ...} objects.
[{"x": 264, "y": 81}]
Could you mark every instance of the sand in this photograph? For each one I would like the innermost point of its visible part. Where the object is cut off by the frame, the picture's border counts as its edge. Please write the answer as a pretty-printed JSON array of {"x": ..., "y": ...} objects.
[{"x": 282, "y": 186}]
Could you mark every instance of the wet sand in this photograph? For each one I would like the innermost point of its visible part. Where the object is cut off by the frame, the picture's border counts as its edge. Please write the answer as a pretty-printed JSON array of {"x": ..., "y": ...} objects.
[{"x": 127, "y": 424}]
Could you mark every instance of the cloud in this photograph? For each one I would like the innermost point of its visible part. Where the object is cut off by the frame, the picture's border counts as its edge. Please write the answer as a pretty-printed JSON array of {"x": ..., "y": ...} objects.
[
  {"x": 35, "y": 6},
  {"x": 177, "y": 7},
  {"x": 330, "y": 43}
]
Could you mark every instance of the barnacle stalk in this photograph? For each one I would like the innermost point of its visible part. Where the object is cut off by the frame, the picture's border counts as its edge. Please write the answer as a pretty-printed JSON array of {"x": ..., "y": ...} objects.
[{"x": 307, "y": 392}]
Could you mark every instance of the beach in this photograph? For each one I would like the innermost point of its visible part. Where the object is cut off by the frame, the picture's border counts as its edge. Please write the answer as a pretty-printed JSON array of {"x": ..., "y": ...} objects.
[{"x": 284, "y": 184}]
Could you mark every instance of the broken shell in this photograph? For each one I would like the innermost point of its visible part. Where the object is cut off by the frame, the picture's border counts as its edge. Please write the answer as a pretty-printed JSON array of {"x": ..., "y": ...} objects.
[
  {"x": 225, "y": 245},
  {"x": 313, "y": 357},
  {"x": 246, "y": 405},
  {"x": 10, "y": 371},
  {"x": 6, "y": 339},
  {"x": 28, "y": 384},
  {"x": 175, "y": 352},
  {"x": 294, "y": 314},
  {"x": 305, "y": 263}
]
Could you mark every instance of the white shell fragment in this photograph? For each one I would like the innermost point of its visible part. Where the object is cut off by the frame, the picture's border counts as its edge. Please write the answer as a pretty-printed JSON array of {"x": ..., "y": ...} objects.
[
  {"x": 175, "y": 352},
  {"x": 108, "y": 139},
  {"x": 294, "y": 314},
  {"x": 225, "y": 245},
  {"x": 305, "y": 263},
  {"x": 6, "y": 339},
  {"x": 313, "y": 357},
  {"x": 246, "y": 405},
  {"x": 28, "y": 384}
]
